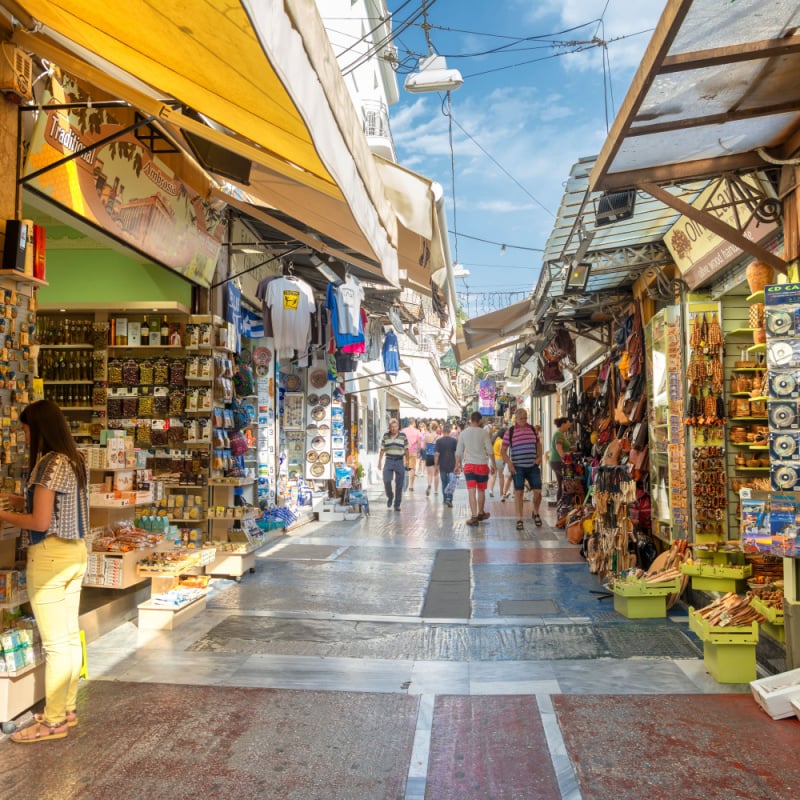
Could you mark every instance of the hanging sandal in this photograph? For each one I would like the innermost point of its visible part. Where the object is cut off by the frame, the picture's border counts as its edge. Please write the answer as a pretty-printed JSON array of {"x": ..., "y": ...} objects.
[
  {"x": 72, "y": 718},
  {"x": 41, "y": 732},
  {"x": 520, "y": 525}
]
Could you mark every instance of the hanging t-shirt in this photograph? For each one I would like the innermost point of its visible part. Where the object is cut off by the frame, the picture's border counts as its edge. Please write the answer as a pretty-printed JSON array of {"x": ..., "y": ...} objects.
[
  {"x": 391, "y": 354},
  {"x": 349, "y": 296},
  {"x": 341, "y": 339},
  {"x": 261, "y": 294},
  {"x": 291, "y": 302}
]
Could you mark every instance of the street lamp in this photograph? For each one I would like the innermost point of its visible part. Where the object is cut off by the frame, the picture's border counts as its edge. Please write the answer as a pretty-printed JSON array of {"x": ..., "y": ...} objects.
[{"x": 433, "y": 76}]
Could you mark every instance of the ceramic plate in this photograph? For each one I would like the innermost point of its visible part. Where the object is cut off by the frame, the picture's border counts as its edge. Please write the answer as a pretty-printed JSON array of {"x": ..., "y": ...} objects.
[
  {"x": 317, "y": 470},
  {"x": 323, "y": 429},
  {"x": 313, "y": 399},
  {"x": 293, "y": 383},
  {"x": 317, "y": 413},
  {"x": 262, "y": 356},
  {"x": 318, "y": 378},
  {"x": 324, "y": 458},
  {"x": 324, "y": 400},
  {"x": 312, "y": 456},
  {"x": 311, "y": 428},
  {"x": 318, "y": 442}
]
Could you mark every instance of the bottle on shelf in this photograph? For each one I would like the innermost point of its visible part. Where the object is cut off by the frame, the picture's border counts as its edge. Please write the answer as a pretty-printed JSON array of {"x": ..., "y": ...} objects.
[
  {"x": 164, "y": 331},
  {"x": 155, "y": 333},
  {"x": 144, "y": 332}
]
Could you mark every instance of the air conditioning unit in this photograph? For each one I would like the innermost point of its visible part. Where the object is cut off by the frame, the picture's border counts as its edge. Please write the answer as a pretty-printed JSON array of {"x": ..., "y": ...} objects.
[{"x": 16, "y": 71}]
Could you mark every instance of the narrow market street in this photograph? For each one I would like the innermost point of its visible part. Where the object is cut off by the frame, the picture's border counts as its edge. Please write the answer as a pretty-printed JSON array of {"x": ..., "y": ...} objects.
[{"x": 317, "y": 677}]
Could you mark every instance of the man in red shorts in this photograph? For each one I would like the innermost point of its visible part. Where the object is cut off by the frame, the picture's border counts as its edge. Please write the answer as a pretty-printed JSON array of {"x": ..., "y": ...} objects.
[{"x": 475, "y": 453}]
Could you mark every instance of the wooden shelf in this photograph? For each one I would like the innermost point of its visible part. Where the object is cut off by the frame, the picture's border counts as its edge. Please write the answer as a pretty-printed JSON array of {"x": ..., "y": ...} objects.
[
  {"x": 83, "y": 408},
  {"x": 20, "y": 277},
  {"x": 740, "y": 332},
  {"x": 753, "y": 469},
  {"x": 747, "y": 419},
  {"x": 84, "y": 346},
  {"x": 67, "y": 382},
  {"x": 146, "y": 347},
  {"x": 749, "y": 369}
]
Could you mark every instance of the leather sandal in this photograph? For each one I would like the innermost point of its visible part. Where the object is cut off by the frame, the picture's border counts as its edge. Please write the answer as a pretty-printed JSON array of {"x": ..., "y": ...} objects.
[
  {"x": 520, "y": 525},
  {"x": 472, "y": 521},
  {"x": 41, "y": 732},
  {"x": 537, "y": 520},
  {"x": 72, "y": 718}
]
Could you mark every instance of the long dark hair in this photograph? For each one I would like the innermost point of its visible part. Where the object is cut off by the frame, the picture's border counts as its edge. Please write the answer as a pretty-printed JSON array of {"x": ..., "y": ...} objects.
[{"x": 49, "y": 433}]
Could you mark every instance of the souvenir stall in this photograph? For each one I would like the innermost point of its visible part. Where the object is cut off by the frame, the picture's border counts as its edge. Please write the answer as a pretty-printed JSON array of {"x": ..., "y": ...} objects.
[{"x": 620, "y": 477}]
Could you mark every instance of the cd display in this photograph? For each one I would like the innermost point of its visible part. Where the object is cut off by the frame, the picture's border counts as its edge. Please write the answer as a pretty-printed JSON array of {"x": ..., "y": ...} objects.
[
  {"x": 782, "y": 384},
  {"x": 779, "y": 323},
  {"x": 782, "y": 415},
  {"x": 785, "y": 477},
  {"x": 784, "y": 445}
]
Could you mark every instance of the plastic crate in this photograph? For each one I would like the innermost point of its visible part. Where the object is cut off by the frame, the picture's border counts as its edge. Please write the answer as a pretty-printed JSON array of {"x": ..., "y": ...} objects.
[
  {"x": 713, "y": 578},
  {"x": 636, "y": 599},
  {"x": 729, "y": 653},
  {"x": 777, "y": 694}
]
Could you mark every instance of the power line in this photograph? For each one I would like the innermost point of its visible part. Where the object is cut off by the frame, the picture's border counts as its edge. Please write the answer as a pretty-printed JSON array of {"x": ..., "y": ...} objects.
[
  {"x": 499, "y": 244},
  {"x": 502, "y": 168}
]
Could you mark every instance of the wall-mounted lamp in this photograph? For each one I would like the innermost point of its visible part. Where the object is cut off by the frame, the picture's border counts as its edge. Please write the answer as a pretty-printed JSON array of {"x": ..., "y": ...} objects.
[
  {"x": 577, "y": 278},
  {"x": 324, "y": 269},
  {"x": 614, "y": 207}
]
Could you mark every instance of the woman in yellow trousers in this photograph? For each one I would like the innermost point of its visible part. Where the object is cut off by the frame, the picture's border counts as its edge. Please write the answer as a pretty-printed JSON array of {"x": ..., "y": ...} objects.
[{"x": 54, "y": 516}]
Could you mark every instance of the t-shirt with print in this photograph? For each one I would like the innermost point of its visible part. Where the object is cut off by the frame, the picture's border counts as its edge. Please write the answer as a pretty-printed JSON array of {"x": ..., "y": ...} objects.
[
  {"x": 524, "y": 444},
  {"x": 349, "y": 296},
  {"x": 291, "y": 302}
]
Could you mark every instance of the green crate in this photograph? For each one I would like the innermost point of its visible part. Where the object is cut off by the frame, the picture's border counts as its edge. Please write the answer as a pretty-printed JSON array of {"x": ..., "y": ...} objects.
[
  {"x": 730, "y": 663},
  {"x": 712, "y": 578},
  {"x": 712, "y": 584},
  {"x": 709, "y": 538},
  {"x": 777, "y": 632},
  {"x": 641, "y": 607}
]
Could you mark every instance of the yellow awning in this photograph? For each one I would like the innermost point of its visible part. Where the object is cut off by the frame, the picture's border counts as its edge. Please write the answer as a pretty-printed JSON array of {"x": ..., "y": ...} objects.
[{"x": 263, "y": 70}]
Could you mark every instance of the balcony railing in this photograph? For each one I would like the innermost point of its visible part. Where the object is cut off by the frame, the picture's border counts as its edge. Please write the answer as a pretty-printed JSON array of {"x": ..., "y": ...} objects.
[{"x": 376, "y": 128}]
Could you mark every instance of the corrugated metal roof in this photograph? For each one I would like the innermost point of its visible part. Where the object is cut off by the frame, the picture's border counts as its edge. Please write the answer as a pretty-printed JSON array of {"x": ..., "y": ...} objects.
[{"x": 716, "y": 89}]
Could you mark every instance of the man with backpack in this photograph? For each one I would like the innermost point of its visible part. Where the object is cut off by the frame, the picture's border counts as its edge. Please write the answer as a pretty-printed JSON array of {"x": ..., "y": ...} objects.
[{"x": 522, "y": 452}]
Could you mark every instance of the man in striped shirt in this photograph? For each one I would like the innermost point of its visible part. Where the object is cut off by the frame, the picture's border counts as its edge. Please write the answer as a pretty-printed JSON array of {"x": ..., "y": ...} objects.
[
  {"x": 522, "y": 451},
  {"x": 394, "y": 457}
]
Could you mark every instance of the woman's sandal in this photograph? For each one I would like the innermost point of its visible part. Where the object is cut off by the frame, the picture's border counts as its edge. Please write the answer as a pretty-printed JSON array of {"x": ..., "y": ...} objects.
[
  {"x": 72, "y": 718},
  {"x": 41, "y": 732},
  {"x": 537, "y": 520},
  {"x": 520, "y": 525}
]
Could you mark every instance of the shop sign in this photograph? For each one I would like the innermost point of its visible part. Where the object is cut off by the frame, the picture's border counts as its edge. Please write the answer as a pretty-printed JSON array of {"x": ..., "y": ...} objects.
[
  {"x": 699, "y": 253},
  {"x": 486, "y": 392},
  {"x": 121, "y": 186}
]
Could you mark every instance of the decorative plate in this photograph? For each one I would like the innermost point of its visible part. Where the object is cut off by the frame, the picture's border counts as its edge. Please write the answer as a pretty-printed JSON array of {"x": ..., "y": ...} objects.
[
  {"x": 312, "y": 429},
  {"x": 317, "y": 413},
  {"x": 318, "y": 378},
  {"x": 318, "y": 442},
  {"x": 262, "y": 370},
  {"x": 324, "y": 457},
  {"x": 324, "y": 400},
  {"x": 312, "y": 399},
  {"x": 317, "y": 470},
  {"x": 324, "y": 429},
  {"x": 262, "y": 356},
  {"x": 312, "y": 456},
  {"x": 244, "y": 357},
  {"x": 292, "y": 383}
]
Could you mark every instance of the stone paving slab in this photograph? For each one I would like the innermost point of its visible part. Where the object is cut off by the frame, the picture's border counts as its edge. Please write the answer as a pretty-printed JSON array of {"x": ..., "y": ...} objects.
[
  {"x": 511, "y": 762},
  {"x": 663, "y": 747},
  {"x": 143, "y": 741}
]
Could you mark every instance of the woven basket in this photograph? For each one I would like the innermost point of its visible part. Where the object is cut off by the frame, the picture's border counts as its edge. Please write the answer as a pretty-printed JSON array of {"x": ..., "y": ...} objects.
[
  {"x": 760, "y": 336},
  {"x": 756, "y": 316}
]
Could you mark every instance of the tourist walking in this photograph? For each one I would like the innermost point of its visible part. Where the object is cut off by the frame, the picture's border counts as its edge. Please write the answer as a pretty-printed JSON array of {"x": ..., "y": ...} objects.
[
  {"x": 54, "y": 515},
  {"x": 474, "y": 454},
  {"x": 393, "y": 455},
  {"x": 444, "y": 457},
  {"x": 414, "y": 442},
  {"x": 522, "y": 452},
  {"x": 429, "y": 449}
]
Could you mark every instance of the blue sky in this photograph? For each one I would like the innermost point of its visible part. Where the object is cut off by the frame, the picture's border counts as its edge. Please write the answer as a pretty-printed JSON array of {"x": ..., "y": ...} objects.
[{"x": 534, "y": 121}]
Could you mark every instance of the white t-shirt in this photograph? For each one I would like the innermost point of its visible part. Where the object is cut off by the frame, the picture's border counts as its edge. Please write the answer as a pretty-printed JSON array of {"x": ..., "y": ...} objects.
[
  {"x": 291, "y": 302},
  {"x": 348, "y": 304}
]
